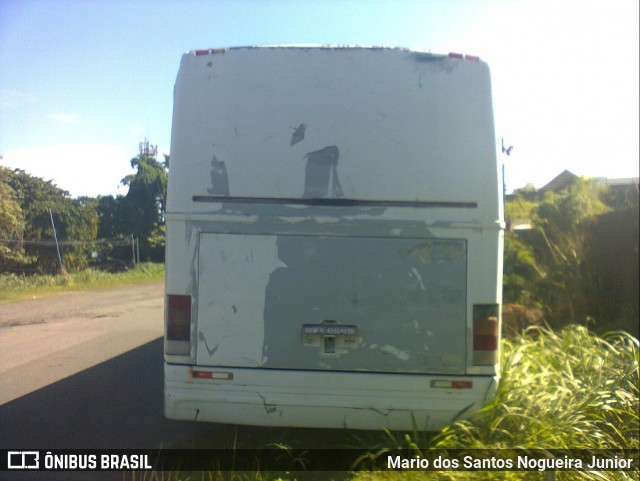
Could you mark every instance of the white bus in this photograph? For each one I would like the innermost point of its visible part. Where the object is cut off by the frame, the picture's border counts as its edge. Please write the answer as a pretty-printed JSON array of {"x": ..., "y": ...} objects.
[{"x": 334, "y": 238}]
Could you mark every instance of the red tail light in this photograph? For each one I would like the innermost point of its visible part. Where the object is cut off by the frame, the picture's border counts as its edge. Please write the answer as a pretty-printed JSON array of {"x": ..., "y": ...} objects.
[
  {"x": 211, "y": 375},
  {"x": 485, "y": 334},
  {"x": 449, "y": 384},
  {"x": 178, "y": 318}
]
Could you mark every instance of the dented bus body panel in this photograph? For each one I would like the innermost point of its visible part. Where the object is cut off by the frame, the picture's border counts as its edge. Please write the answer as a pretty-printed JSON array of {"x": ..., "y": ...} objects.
[{"x": 334, "y": 239}]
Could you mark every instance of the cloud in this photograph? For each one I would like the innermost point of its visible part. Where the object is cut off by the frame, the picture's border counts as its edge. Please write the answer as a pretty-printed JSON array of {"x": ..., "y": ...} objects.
[
  {"x": 64, "y": 118},
  {"x": 12, "y": 98},
  {"x": 86, "y": 169}
]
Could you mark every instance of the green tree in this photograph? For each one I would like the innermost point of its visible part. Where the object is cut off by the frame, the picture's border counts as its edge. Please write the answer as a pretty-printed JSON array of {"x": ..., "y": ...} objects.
[
  {"x": 563, "y": 222},
  {"x": 521, "y": 271},
  {"x": 75, "y": 219},
  {"x": 12, "y": 224},
  {"x": 79, "y": 224},
  {"x": 109, "y": 217},
  {"x": 142, "y": 209},
  {"x": 551, "y": 266}
]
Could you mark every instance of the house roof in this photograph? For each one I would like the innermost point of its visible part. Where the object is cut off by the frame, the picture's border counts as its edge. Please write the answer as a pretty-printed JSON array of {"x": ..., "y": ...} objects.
[{"x": 560, "y": 182}]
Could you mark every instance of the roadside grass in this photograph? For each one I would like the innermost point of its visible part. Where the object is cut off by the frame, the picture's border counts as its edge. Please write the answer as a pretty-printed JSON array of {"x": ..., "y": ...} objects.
[{"x": 16, "y": 287}]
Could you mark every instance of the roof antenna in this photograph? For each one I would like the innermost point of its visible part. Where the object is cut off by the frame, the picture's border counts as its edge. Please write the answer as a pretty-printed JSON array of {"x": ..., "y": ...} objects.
[{"x": 506, "y": 150}]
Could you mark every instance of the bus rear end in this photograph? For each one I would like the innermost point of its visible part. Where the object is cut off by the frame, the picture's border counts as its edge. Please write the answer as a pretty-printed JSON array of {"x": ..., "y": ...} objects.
[{"x": 334, "y": 239}]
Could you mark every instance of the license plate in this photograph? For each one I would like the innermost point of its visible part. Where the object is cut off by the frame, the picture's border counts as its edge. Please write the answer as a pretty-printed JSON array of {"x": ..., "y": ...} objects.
[{"x": 330, "y": 329}]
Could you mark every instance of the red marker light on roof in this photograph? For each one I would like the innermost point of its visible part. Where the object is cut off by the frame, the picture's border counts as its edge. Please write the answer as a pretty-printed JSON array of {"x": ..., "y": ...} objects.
[
  {"x": 470, "y": 58},
  {"x": 209, "y": 51}
]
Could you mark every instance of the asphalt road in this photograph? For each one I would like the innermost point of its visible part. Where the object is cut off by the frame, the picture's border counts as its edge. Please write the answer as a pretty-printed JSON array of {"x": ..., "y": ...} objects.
[
  {"x": 85, "y": 370},
  {"x": 45, "y": 340}
]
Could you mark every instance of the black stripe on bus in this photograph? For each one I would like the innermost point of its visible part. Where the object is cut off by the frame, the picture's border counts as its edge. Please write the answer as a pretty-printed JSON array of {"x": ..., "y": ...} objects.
[{"x": 333, "y": 202}]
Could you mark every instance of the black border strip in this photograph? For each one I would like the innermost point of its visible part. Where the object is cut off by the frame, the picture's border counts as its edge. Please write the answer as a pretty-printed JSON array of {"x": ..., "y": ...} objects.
[
  {"x": 333, "y": 202},
  {"x": 299, "y": 460}
]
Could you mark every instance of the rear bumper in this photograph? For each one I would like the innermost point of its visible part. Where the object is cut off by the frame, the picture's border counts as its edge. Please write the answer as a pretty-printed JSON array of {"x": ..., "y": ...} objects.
[{"x": 321, "y": 399}]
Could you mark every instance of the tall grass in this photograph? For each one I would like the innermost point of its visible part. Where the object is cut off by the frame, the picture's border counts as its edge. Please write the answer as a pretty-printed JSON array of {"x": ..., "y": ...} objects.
[
  {"x": 564, "y": 390},
  {"x": 14, "y": 287}
]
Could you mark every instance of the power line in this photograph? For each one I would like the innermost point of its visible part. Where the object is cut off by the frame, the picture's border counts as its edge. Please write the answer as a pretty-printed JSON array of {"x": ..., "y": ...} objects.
[{"x": 52, "y": 242}]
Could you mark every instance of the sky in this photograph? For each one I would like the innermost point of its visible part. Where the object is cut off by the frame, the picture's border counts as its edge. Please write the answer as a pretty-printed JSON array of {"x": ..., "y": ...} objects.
[{"x": 82, "y": 82}]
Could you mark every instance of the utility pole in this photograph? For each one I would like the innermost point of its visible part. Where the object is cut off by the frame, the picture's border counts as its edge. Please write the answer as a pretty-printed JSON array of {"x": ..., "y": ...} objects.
[
  {"x": 55, "y": 236},
  {"x": 133, "y": 251}
]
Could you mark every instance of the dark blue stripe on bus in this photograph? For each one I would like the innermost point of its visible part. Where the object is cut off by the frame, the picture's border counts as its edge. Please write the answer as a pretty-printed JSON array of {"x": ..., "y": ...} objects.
[{"x": 334, "y": 202}]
